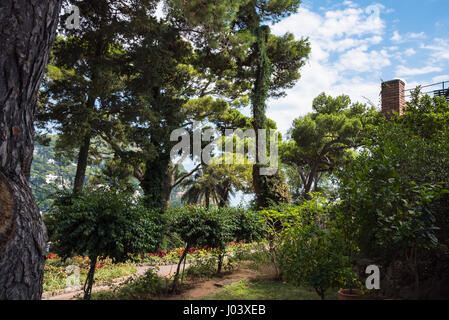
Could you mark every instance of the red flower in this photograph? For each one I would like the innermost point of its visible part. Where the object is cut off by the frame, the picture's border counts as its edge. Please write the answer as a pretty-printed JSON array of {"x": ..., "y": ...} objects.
[
  {"x": 52, "y": 256},
  {"x": 161, "y": 253}
]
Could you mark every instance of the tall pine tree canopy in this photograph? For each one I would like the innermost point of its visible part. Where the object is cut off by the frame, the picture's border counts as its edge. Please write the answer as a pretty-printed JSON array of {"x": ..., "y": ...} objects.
[
  {"x": 130, "y": 78},
  {"x": 325, "y": 139}
]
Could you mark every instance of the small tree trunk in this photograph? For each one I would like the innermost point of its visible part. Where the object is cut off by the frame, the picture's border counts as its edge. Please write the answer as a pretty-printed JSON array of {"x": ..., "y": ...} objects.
[
  {"x": 220, "y": 262},
  {"x": 183, "y": 270},
  {"x": 320, "y": 292},
  {"x": 168, "y": 182},
  {"x": 88, "y": 284},
  {"x": 273, "y": 258},
  {"x": 81, "y": 168},
  {"x": 178, "y": 269},
  {"x": 207, "y": 200},
  {"x": 27, "y": 31}
]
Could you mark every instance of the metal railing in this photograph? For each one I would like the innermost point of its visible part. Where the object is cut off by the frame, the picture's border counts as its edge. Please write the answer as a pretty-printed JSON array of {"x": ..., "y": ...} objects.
[{"x": 440, "y": 89}]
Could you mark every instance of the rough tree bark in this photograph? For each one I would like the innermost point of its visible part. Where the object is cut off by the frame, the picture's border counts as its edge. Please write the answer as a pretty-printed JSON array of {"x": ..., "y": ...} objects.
[
  {"x": 27, "y": 31},
  {"x": 83, "y": 158},
  {"x": 259, "y": 97}
]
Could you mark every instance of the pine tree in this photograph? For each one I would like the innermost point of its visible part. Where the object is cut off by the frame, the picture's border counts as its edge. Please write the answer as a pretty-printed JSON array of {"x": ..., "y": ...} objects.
[{"x": 27, "y": 31}]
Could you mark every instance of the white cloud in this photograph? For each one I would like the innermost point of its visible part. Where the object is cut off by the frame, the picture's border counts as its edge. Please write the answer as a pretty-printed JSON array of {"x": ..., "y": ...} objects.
[
  {"x": 352, "y": 53},
  {"x": 362, "y": 60},
  {"x": 439, "y": 48},
  {"x": 405, "y": 71},
  {"x": 396, "y": 37},
  {"x": 410, "y": 52},
  {"x": 343, "y": 58},
  {"x": 413, "y": 35},
  {"x": 440, "y": 78}
]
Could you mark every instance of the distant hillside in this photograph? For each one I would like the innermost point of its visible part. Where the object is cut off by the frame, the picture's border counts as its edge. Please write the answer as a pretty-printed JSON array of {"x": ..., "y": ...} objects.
[{"x": 49, "y": 174}]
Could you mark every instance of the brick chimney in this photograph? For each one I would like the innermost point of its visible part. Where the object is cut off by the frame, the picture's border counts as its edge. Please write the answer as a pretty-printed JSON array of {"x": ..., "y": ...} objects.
[{"x": 393, "y": 97}]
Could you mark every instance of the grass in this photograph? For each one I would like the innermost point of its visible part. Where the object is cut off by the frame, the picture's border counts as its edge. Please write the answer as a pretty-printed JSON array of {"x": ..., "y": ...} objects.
[{"x": 266, "y": 290}]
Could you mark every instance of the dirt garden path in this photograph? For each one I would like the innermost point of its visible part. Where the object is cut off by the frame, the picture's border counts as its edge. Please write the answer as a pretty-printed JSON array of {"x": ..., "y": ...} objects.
[
  {"x": 200, "y": 290},
  {"x": 71, "y": 293},
  {"x": 212, "y": 286}
]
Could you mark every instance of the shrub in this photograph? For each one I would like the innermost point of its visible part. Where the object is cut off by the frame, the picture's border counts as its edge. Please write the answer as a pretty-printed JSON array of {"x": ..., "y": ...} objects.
[
  {"x": 142, "y": 288},
  {"x": 199, "y": 227},
  {"x": 311, "y": 250},
  {"x": 249, "y": 226},
  {"x": 101, "y": 223},
  {"x": 394, "y": 193},
  {"x": 204, "y": 268}
]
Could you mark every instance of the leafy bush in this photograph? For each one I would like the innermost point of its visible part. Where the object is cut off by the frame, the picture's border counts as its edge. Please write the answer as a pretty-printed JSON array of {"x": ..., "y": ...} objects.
[
  {"x": 199, "y": 227},
  {"x": 101, "y": 223},
  {"x": 255, "y": 253},
  {"x": 143, "y": 288},
  {"x": 203, "y": 268},
  {"x": 249, "y": 226},
  {"x": 394, "y": 192},
  {"x": 214, "y": 228},
  {"x": 311, "y": 250}
]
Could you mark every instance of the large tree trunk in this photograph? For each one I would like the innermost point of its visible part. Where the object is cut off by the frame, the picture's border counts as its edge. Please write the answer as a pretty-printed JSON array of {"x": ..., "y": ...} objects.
[
  {"x": 156, "y": 183},
  {"x": 27, "y": 31},
  {"x": 259, "y": 97},
  {"x": 82, "y": 163}
]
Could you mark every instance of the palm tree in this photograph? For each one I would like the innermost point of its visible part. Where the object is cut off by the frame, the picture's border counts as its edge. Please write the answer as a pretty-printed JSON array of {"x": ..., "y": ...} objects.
[
  {"x": 216, "y": 183},
  {"x": 201, "y": 187}
]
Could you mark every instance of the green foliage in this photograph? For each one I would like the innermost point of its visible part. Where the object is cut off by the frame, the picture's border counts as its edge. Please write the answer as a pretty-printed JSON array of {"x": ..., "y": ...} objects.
[
  {"x": 255, "y": 253},
  {"x": 273, "y": 190},
  {"x": 216, "y": 182},
  {"x": 324, "y": 140},
  {"x": 265, "y": 63},
  {"x": 204, "y": 268},
  {"x": 312, "y": 251},
  {"x": 216, "y": 227},
  {"x": 394, "y": 188},
  {"x": 395, "y": 191},
  {"x": 146, "y": 287},
  {"x": 200, "y": 227},
  {"x": 249, "y": 226},
  {"x": 102, "y": 223}
]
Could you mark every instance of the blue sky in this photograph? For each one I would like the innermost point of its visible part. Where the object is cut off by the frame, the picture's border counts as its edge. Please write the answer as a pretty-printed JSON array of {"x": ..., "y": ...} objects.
[{"x": 357, "y": 44}]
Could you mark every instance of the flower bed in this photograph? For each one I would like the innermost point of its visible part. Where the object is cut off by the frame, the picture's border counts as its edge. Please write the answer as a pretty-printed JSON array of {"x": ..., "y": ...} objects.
[
  {"x": 60, "y": 274},
  {"x": 58, "y": 271}
]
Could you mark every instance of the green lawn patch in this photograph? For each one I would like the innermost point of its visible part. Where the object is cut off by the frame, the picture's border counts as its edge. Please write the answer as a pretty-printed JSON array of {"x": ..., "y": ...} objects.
[{"x": 266, "y": 290}]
